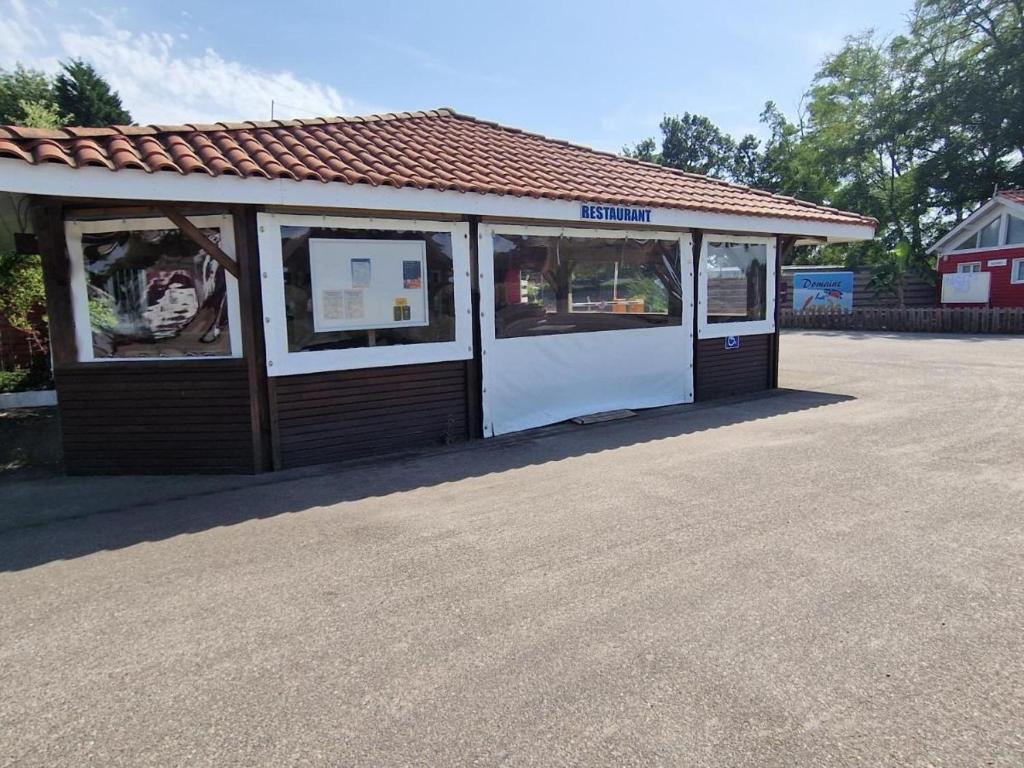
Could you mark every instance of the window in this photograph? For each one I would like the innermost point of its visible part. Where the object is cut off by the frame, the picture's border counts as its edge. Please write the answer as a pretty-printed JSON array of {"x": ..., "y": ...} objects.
[
  {"x": 342, "y": 293},
  {"x": 988, "y": 237},
  {"x": 1017, "y": 272},
  {"x": 737, "y": 286},
  {"x": 1014, "y": 230},
  {"x": 142, "y": 289},
  {"x": 969, "y": 266},
  {"x": 554, "y": 284},
  {"x": 348, "y": 288},
  {"x": 969, "y": 244}
]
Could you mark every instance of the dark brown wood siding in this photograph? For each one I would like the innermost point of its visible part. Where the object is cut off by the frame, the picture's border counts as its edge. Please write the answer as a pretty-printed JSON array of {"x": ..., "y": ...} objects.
[
  {"x": 722, "y": 372},
  {"x": 323, "y": 417},
  {"x": 156, "y": 417}
]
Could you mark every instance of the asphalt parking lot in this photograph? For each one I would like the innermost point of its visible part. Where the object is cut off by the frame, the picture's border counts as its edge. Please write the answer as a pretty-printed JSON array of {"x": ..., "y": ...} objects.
[{"x": 830, "y": 576}]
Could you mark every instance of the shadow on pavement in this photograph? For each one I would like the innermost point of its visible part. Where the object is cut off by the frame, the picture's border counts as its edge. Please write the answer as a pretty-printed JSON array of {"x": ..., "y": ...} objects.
[
  {"x": 66, "y": 518},
  {"x": 906, "y": 335}
]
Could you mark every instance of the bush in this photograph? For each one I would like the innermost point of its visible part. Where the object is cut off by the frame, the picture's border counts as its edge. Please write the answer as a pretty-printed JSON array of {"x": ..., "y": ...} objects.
[{"x": 24, "y": 380}]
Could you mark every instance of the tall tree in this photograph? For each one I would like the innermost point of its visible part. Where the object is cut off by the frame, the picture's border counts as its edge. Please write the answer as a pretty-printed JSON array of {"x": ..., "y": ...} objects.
[
  {"x": 87, "y": 98},
  {"x": 24, "y": 95}
]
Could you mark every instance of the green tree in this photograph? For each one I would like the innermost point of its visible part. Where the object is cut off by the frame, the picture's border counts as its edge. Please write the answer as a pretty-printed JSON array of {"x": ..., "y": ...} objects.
[
  {"x": 889, "y": 272},
  {"x": 22, "y": 294},
  {"x": 88, "y": 100},
  {"x": 25, "y": 94}
]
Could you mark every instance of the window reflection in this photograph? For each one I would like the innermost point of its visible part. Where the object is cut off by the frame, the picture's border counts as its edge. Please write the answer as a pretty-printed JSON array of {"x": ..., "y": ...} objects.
[
  {"x": 547, "y": 285},
  {"x": 155, "y": 293},
  {"x": 737, "y": 280}
]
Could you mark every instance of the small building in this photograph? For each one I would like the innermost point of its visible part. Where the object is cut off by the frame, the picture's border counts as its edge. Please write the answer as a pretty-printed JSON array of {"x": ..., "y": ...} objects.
[
  {"x": 981, "y": 260},
  {"x": 259, "y": 295}
]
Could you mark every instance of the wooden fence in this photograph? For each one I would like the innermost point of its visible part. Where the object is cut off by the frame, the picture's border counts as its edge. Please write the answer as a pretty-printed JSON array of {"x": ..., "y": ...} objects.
[
  {"x": 917, "y": 292},
  {"x": 910, "y": 319}
]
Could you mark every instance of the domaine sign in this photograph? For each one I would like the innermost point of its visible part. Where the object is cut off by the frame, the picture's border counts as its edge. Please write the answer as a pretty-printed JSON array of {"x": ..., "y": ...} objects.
[
  {"x": 823, "y": 290},
  {"x": 592, "y": 212}
]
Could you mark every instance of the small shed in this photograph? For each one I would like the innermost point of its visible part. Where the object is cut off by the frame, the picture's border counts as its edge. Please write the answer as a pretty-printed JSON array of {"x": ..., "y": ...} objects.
[
  {"x": 981, "y": 260},
  {"x": 250, "y": 296}
]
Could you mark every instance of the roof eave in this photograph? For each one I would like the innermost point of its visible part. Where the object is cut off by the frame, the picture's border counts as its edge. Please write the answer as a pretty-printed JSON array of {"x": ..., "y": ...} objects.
[{"x": 63, "y": 181}]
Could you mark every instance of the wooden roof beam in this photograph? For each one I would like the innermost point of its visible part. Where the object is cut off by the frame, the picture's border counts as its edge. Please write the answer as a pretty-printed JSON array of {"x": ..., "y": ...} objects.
[{"x": 195, "y": 235}]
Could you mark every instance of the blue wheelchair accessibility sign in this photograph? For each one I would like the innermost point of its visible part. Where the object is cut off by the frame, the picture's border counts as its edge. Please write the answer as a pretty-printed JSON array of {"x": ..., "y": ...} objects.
[{"x": 732, "y": 342}]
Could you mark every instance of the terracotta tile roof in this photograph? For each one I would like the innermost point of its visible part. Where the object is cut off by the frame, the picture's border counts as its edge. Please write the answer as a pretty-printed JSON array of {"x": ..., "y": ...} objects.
[
  {"x": 1015, "y": 195},
  {"x": 439, "y": 149}
]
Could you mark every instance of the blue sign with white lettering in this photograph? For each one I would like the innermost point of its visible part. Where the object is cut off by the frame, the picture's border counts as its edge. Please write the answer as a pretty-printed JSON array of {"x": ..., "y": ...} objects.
[
  {"x": 593, "y": 212},
  {"x": 732, "y": 342},
  {"x": 823, "y": 290}
]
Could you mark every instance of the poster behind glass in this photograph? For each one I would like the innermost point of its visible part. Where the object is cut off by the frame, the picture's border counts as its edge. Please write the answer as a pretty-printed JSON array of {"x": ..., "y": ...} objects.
[
  {"x": 155, "y": 293},
  {"x": 351, "y": 288}
]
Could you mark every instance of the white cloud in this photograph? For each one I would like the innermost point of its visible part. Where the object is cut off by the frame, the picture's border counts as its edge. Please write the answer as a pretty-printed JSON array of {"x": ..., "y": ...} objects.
[{"x": 159, "y": 83}]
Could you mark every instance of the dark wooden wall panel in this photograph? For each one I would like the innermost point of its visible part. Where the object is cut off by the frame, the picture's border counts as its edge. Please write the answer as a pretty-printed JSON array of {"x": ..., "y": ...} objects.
[
  {"x": 156, "y": 417},
  {"x": 323, "y": 417},
  {"x": 722, "y": 372}
]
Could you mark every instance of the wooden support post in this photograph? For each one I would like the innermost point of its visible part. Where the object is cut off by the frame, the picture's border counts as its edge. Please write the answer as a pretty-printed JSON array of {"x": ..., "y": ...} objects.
[
  {"x": 48, "y": 225},
  {"x": 250, "y": 297},
  {"x": 783, "y": 247},
  {"x": 474, "y": 375},
  {"x": 698, "y": 239},
  {"x": 196, "y": 236}
]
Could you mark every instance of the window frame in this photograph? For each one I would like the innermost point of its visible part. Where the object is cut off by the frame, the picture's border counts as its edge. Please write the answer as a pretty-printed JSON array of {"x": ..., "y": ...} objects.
[
  {"x": 282, "y": 362},
  {"x": 73, "y": 231},
  {"x": 707, "y": 330},
  {"x": 961, "y": 271},
  {"x": 1006, "y": 230},
  {"x": 1015, "y": 265},
  {"x": 527, "y": 230}
]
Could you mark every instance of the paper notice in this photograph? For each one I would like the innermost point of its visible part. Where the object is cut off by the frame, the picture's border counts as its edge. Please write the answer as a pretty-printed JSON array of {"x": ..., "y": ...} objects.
[
  {"x": 361, "y": 273},
  {"x": 354, "y": 309},
  {"x": 332, "y": 304},
  {"x": 412, "y": 275}
]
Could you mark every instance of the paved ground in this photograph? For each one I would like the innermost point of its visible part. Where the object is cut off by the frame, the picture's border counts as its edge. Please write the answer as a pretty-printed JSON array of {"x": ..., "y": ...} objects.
[{"x": 808, "y": 579}]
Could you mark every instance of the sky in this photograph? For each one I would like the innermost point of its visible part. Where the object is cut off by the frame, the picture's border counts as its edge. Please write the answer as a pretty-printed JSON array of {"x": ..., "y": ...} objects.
[{"x": 597, "y": 73}]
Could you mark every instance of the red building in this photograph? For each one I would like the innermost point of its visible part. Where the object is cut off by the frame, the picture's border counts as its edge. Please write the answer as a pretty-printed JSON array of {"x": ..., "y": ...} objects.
[{"x": 981, "y": 260}]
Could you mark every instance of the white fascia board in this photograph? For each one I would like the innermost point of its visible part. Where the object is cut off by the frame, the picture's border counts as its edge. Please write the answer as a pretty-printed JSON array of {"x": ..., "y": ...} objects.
[{"x": 19, "y": 176}]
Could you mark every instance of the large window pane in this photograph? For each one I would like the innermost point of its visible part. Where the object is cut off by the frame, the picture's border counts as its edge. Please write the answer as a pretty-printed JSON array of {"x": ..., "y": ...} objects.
[
  {"x": 989, "y": 235},
  {"x": 348, "y": 288},
  {"x": 968, "y": 244},
  {"x": 737, "y": 279},
  {"x": 1014, "y": 230},
  {"x": 546, "y": 285},
  {"x": 155, "y": 293}
]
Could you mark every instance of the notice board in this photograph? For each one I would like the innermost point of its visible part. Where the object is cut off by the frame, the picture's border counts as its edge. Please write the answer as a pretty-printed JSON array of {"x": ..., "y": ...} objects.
[
  {"x": 368, "y": 284},
  {"x": 966, "y": 287},
  {"x": 823, "y": 290}
]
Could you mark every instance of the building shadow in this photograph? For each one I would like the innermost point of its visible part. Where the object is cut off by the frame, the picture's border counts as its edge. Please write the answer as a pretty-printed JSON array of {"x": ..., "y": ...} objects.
[{"x": 51, "y": 520}]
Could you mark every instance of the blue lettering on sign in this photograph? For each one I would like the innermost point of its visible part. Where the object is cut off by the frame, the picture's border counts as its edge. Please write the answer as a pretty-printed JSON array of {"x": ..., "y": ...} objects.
[
  {"x": 732, "y": 342},
  {"x": 615, "y": 213}
]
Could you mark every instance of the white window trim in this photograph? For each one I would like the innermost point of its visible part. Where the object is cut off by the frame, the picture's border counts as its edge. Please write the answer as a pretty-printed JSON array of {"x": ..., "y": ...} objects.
[
  {"x": 960, "y": 267},
  {"x": 281, "y": 362},
  {"x": 685, "y": 240},
  {"x": 74, "y": 230},
  {"x": 706, "y": 330},
  {"x": 1014, "y": 266},
  {"x": 670, "y": 340}
]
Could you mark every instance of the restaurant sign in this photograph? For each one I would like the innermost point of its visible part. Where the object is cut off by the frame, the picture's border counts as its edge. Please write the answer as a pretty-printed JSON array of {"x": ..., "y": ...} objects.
[{"x": 592, "y": 212}]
